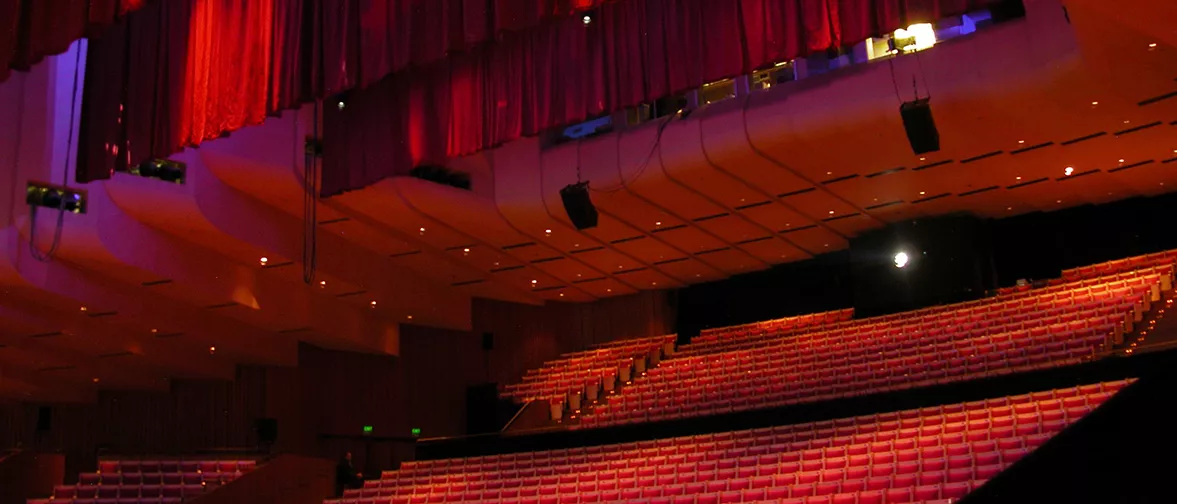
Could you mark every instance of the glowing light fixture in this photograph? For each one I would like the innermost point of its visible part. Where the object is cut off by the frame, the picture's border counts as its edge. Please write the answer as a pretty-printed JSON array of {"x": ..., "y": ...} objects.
[
  {"x": 588, "y": 19},
  {"x": 916, "y": 37},
  {"x": 263, "y": 260},
  {"x": 1069, "y": 170},
  {"x": 901, "y": 259}
]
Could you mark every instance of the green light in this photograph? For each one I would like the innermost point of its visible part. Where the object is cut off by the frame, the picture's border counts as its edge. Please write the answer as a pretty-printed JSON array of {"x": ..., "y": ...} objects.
[
  {"x": 367, "y": 429},
  {"x": 416, "y": 432}
]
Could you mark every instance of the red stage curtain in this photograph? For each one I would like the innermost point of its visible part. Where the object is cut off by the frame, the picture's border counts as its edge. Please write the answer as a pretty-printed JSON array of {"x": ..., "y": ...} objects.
[
  {"x": 33, "y": 29},
  {"x": 185, "y": 71},
  {"x": 635, "y": 51}
]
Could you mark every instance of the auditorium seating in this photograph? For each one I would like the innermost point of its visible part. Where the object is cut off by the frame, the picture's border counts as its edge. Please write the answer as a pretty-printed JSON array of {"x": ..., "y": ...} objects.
[
  {"x": 1165, "y": 258},
  {"x": 923, "y": 455},
  {"x": 751, "y": 369},
  {"x": 600, "y": 366},
  {"x": 149, "y": 481}
]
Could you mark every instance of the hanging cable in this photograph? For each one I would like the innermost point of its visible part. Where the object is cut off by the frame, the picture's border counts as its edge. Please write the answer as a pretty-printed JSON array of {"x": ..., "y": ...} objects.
[
  {"x": 310, "y": 180},
  {"x": 642, "y": 168},
  {"x": 311, "y": 202},
  {"x": 69, "y": 153}
]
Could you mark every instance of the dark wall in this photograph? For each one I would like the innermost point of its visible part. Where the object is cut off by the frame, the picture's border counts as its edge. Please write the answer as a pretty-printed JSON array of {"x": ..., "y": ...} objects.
[
  {"x": 330, "y": 392},
  {"x": 965, "y": 257},
  {"x": 949, "y": 260},
  {"x": 1040, "y": 245},
  {"x": 441, "y": 365}
]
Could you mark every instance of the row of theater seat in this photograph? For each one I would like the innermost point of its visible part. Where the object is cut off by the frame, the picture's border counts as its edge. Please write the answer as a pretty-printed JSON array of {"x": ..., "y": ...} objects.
[
  {"x": 1009, "y": 305},
  {"x": 1165, "y": 258},
  {"x": 576, "y": 370},
  {"x": 916, "y": 455},
  {"x": 1055, "y": 328},
  {"x": 149, "y": 481}
]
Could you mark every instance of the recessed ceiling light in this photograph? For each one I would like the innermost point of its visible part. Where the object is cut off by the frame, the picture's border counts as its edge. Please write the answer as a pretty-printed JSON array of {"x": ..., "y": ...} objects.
[
  {"x": 921, "y": 193},
  {"x": 547, "y": 231},
  {"x": 561, "y": 294},
  {"x": 1009, "y": 208},
  {"x": 608, "y": 290},
  {"x": 1126, "y": 121},
  {"x": 212, "y": 349},
  {"x": 533, "y": 282},
  {"x": 83, "y": 308},
  {"x": 619, "y": 266},
  {"x": 1017, "y": 178},
  {"x": 422, "y": 230},
  {"x": 1121, "y": 160},
  {"x": 153, "y": 331},
  {"x": 1021, "y": 141},
  {"x": 829, "y": 173},
  {"x": 922, "y": 159},
  {"x": 1154, "y": 44},
  {"x": 263, "y": 260},
  {"x": 697, "y": 275},
  {"x": 1095, "y": 103},
  {"x": 95, "y": 380},
  {"x": 656, "y": 283},
  {"x": 466, "y": 250},
  {"x": 831, "y": 212},
  {"x": 410, "y": 317},
  {"x": 1058, "y": 201},
  {"x": 1068, "y": 170},
  {"x": 373, "y": 304},
  {"x": 827, "y": 245},
  {"x": 578, "y": 275},
  {"x": 322, "y": 283},
  {"x": 659, "y": 223}
]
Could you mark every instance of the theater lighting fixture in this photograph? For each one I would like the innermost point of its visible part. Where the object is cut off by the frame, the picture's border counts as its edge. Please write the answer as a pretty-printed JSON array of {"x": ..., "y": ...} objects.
[
  {"x": 659, "y": 223},
  {"x": 1095, "y": 103},
  {"x": 1069, "y": 170},
  {"x": 410, "y": 317},
  {"x": 212, "y": 350},
  {"x": 533, "y": 282},
  {"x": 162, "y": 169},
  {"x": 322, "y": 283},
  {"x": 1021, "y": 141},
  {"x": 373, "y": 304},
  {"x": 466, "y": 250},
  {"x": 916, "y": 37},
  {"x": 1152, "y": 45},
  {"x": 422, "y": 230},
  {"x": 1121, "y": 160},
  {"x": 547, "y": 231},
  {"x": 1017, "y": 178},
  {"x": 95, "y": 380},
  {"x": 923, "y": 159},
  {"x": 39, "y": 194},
  {"x": 588, "y": 19},
  {"x": 561, "y": 294},
  {"x": 901, "y": 259},
  {"x": 263, "y": 260},
  {"x": 921, "y": 193},
  {"x": 83, "y": 308}
]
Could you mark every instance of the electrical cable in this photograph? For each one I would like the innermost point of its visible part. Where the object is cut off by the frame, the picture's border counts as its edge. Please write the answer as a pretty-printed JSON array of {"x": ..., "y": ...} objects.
[
  {"x": 641, "y": 169},
  {"x": 69, "y": 145}
]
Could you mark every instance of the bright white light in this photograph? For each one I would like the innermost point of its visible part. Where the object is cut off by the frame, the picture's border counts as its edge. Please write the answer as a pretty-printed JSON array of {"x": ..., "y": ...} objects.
[
  {"x": 1068, "y": 171},
  {"x": 587, "y": 19},
  {"x": 901, "y": 259},
  {"x": 923, "y": 34}
]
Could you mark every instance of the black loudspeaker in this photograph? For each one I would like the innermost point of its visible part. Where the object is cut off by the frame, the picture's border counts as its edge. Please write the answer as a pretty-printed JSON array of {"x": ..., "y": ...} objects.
[
  {"x": 44, "y": 418},
  {"x": 267, "y": 430},
  {"x": 488, "y": 341},
  {"x": 921, "y": 128},
  {"x": 579, "y": 206}
]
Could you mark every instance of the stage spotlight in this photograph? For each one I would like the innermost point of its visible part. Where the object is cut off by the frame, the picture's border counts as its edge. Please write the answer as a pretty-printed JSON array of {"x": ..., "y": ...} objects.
[{"x": 901, "y": 259}]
